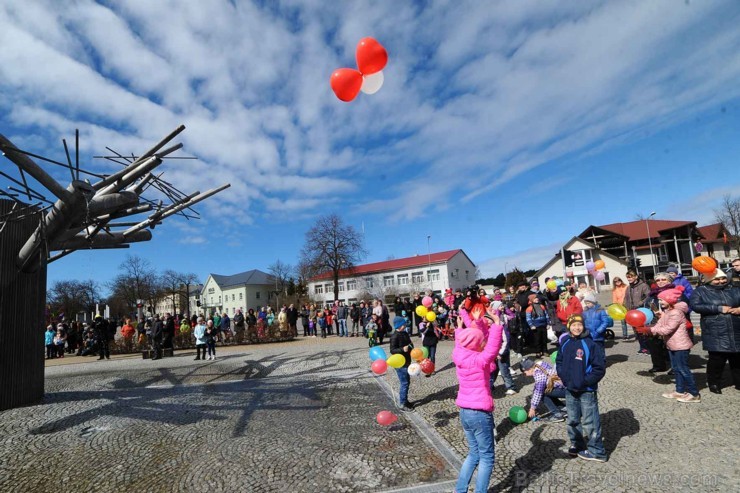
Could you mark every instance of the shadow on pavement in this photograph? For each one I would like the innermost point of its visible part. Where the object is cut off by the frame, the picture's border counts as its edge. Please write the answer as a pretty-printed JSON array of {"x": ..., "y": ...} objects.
[
  {"x": 616, "y": 358},
  {"x": 537, "y": 461}
]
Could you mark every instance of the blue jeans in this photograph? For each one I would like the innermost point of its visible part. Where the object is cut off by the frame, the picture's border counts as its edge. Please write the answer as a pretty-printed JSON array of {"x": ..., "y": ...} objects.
[
  {"x": 624, "y": 329},
  {"x": 404, "y": 380},
  {"x": 583, "y": 416},
  {"x": 478, "y": 428},
  {"x": 342, "y": 323},
  {"x": 553, "y": 400},
  {"x": 684, "y": 378},
  {"x": 432, "y": 352},
  {"x": 504, "y": 365}
]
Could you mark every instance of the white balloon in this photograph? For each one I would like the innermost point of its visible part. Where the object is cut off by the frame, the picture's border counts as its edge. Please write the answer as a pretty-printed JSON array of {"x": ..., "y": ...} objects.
[
  {"x": 372, "y": 83},
  {"x": 414, "y": 369}
]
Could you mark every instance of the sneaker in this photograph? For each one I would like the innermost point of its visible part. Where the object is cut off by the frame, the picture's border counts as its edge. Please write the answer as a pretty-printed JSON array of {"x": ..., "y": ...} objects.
[
  {"x": 407, "y": 409},
  {"x": 586, "y": 455},
  {"x": 690, "y": 398},
  {"x": 673, "y": 395},
  {"x": 511, "y": 392},
  {"x": 573, "y": 452},
  {"x": 555, "y": 418},
  {"x": 514, "y": 372}
]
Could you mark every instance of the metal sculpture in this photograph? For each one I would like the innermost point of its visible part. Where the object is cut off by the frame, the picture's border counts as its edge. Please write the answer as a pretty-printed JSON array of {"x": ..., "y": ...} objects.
[{"x": 58, "y": 221}]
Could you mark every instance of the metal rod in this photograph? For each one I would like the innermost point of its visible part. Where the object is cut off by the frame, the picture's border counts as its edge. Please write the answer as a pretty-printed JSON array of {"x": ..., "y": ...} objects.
[
  {"x": 69, "y": 160},
  {"x": 77, "y": 151},
  {"x": 26, "y": 164}
]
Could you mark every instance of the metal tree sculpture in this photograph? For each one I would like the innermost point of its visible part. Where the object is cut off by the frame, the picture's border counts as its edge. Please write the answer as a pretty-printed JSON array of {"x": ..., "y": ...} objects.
[{"x": 59, "y": 221}]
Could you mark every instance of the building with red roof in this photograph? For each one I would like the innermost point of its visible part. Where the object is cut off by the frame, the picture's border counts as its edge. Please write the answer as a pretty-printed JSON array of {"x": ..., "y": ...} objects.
[{"x": 435, "y": 271}]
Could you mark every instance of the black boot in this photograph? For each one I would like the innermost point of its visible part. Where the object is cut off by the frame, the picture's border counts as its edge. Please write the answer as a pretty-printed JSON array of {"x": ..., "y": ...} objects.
[{"x": 715, "y": 389}]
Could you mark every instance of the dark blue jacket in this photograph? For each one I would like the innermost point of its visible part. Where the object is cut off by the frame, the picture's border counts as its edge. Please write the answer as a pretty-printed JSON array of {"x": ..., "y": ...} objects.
[
  {"x": 719, "y": 331},
  {"x": 580, "y": 363},
  {"x": 596, "y": 322}
]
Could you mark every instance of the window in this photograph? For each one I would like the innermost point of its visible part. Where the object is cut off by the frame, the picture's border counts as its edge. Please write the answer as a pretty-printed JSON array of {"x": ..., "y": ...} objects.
[
  {"x": 403, "y": 279},
  {"x": 341, "y": 286},
  {"x": 329, "y": 288},
  {"x": 257, "y": 295},
  {"x": 211, "y": 290},
  {"x": 388, "y": 281},
  {"x": 369, "y": 282},
  {"x": 467, "y": 274},
  {"x": 233, "y": 297},
  {"x": 241, "y": 296},
  {"x": 219, "y": 299},
  {"x": 351, "y": 285},
  {"x": 417, "y": 277},
  {"x": 433, "y": 275},
  {"x": 727, "y": 250},
  {"x": 211, "y": 300},
  {"x": 318, "y": 289}
]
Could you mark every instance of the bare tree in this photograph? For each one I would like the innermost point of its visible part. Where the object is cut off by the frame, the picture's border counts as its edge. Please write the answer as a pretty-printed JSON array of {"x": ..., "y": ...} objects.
[
  {"x": 72, "y": 297},
  {"x": 330, "y": 247},
  {"x": 177, "y": 284},
  {"x": 137, "y": 281},
  {"x": 280, "y": 273},
  {"x": 729, "y": 215}
]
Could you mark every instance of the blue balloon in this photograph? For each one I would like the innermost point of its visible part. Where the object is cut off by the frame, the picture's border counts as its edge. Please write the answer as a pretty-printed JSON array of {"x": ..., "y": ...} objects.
[
  {"x": 648, "y": 315},
  {"x": 377, "y": 352}
]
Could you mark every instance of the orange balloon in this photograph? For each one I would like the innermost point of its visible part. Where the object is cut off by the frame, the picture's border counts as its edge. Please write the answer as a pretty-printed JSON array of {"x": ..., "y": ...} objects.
[
  {"x": 704, "y": 264},
  {"x": 417, "y": 354},
  {"x": 346, "y": 83},
  {"x": 599, "y": 264}
]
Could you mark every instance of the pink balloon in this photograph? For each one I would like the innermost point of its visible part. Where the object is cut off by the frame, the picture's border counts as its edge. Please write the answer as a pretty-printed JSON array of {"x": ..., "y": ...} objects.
[
  {"x": 599, "y": 276},
  {"x": 386, "y": 418},
  {"x": 427, "y": 301},
  {"x": 379, "y": 366}
]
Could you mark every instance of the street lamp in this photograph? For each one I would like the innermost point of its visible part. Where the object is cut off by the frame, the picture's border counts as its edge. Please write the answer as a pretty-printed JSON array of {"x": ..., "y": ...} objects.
[
  {"x": 650, "y": 242},
  {"x": 429, "y": 260}
]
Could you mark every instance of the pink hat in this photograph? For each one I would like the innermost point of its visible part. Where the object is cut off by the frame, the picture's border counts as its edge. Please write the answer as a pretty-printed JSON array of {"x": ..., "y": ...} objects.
[
  {"x": 470, "y": 338},
  {"x": 671, "y": 296}
]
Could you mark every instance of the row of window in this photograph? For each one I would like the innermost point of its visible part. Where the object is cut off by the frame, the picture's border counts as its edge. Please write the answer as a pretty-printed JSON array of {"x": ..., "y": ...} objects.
[
  {"x": 233, "y": 297},
  {"x": 400, "y": 279}
]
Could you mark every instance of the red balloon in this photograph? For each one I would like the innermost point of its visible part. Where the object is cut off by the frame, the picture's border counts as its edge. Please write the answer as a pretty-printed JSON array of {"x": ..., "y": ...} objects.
[
  {"x": 386, "y": 418},
  {"x": 371, "y": 56},
  {"x": 346, "y": 83},
  {"x": 635, "y": 318},
  {"x": 427, "y": 366},
  {"x": 379, "y": 366}
]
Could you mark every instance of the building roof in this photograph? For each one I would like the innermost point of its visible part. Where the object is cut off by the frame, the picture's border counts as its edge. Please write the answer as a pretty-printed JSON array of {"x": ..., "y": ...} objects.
[
  {"x": 711, "y": 231},
  {"x": 567, "y": 246},
  {"x": 638, "y": 230},
  {"x": 253, "y": 276},
  {"x": 395, "y": 264}
]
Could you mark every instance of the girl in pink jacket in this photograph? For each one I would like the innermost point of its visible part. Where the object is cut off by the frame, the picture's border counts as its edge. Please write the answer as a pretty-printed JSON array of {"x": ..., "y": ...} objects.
[
  {"x": 476, "y": 348},
  {"x": 672, "y": 326}
]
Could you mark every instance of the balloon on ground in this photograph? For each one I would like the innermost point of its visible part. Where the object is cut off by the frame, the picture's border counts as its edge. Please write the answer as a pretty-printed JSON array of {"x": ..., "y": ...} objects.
[
  {"x": 379, "y": 366},
  {"x": 518, "y": 414},
  {"x": 553, "y": 357},
  {"x": 386, "y": 418}
]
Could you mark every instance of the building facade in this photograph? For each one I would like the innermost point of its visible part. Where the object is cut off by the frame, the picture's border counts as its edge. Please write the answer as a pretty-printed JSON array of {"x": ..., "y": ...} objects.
[
  {"x": 226, "y": 294},
  {"x": 397, "y": 277}
]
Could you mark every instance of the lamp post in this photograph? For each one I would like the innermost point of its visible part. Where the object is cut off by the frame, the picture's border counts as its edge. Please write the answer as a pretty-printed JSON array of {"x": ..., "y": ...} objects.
[
  {"x": 650, "y": 241},
  {"x": 429, "y": 261}
]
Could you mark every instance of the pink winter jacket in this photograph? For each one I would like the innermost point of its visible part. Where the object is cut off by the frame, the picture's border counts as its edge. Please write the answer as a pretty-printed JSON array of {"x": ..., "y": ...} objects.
[
  {"x": 474, "y": 371},
  {"x": 672, "y": 326}
]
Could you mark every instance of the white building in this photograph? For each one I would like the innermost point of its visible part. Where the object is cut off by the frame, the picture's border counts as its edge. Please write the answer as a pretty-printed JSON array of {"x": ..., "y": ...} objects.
[
  {"x": 175, "y": 303},
  {"x": 570, "y": 263},
  {"x": 397, "y": 277},
  {"x": 250, "y": 289}
]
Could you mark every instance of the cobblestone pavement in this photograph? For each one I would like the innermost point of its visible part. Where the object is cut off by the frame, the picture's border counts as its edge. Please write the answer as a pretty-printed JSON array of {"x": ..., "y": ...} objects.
[{"x": 300, "y": 416}]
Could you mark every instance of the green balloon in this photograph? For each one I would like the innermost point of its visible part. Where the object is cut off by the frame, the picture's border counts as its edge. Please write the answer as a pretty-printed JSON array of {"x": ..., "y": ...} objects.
[
  {"x": 425, "y": 350},
  {"x": 553, "y": 357},
  {"x": 518, "y": 414}
]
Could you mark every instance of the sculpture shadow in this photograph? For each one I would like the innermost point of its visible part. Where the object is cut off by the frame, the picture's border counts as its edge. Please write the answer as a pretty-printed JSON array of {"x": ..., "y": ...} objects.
[
  {"x": 615, "y": 425},
  {"x": 538, "y": 460}
]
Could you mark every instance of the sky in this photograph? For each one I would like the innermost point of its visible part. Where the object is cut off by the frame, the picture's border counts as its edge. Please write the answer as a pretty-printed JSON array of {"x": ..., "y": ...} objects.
[{"x": 502, "y": 128}]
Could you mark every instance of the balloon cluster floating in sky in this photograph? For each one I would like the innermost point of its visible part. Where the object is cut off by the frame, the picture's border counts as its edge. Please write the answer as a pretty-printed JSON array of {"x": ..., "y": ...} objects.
[{"x": 368, "y": 78}]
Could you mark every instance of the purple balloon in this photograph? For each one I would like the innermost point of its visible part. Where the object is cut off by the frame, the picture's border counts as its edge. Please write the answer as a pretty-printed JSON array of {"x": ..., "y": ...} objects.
[
  {"x": 590, "y": 266},
  {"x": 599, "y": 276}
]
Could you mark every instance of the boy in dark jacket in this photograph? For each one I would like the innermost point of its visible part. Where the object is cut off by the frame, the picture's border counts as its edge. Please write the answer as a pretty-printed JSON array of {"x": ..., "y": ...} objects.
[
  {"x": 580, "y": 364},
  {"x": 401, "y": 344}
]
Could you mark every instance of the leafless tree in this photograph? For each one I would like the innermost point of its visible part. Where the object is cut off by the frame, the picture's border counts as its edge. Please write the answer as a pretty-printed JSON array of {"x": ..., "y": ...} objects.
[
  {"x": 729, "y": 215},
  {"x": 137, "y": 281},
  {"x": 331, "y": 247},
  {"x": 281, "y": 276},
  {"x": 72, "y": 297},
  {"x": 177, "y": 284}
]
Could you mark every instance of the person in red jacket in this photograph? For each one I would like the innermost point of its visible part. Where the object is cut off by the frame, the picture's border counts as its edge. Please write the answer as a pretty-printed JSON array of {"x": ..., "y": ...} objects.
[{"x": 566, "y": 306}]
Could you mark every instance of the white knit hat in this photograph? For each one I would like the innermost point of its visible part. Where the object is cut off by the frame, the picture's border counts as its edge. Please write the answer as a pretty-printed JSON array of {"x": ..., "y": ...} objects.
[{"x": 711, "y": 277}]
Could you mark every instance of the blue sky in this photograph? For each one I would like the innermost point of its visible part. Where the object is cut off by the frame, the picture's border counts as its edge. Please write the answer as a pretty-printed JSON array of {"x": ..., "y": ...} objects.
[{"x": 503, "y": 128}]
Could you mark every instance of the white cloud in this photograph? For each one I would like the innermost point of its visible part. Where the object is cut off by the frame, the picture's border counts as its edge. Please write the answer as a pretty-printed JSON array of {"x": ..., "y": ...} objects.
[{"x": 532, "y": 258}]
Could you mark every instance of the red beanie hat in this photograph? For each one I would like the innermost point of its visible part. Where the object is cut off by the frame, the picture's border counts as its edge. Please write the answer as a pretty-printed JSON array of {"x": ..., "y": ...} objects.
[{"x": 671, "y": 296}]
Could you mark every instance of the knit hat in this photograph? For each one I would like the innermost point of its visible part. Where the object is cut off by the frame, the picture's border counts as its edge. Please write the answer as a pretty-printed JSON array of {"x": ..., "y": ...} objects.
[
  {"x": 671, "y": 296},
  {"x": 589, "y": 297},
  {"x": 672, "y": 269},
  {"x": 470, "y": 338},
  {"x": 399, "y": 322},
  {"x": 711, "y": 277},
  {"x": 574, "y": 318},
  {"x": 526, "y": 364}
]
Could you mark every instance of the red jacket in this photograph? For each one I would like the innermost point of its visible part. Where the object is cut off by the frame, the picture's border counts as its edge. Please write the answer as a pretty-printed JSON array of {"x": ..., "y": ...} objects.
[{"x": 573, "y": 308}]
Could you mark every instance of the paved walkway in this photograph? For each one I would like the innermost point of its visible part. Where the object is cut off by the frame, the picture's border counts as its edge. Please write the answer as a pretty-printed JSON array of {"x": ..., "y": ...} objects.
[{"x": 300, "y": 417}]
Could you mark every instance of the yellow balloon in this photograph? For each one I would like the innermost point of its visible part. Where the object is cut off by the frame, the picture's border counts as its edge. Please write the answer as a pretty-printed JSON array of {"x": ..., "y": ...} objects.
[
  {"x": 616, "y": 311},
  {"x": 552, "y": 285},
  {"x": 396, "y": 361},
  {"x": 421, "y": 310},
  {"x": 431, "y": 316}
]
